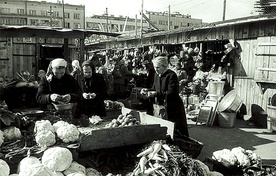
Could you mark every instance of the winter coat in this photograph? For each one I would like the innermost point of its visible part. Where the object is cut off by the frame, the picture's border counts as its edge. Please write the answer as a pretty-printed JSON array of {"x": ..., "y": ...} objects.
[
  {"x": 95, "y": 84},
  {"x": 66, "y": 85},
  {"x": 167, "y": 88}
]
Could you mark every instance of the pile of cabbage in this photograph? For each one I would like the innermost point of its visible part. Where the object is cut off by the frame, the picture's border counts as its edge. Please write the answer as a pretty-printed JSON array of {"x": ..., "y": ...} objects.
[
  {"x": 55, "y": 161},
  {"x": 237, "y": 156},
  {"x": 46, "y": 133}
]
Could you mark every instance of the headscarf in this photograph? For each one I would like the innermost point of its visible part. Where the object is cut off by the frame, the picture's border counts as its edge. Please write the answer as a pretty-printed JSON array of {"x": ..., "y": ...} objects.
[
  {"x": 89, "y": 63},
  {"x": 76, "y": 63},
  {"x": 160, "y": 60},
  {"x": 58, "y": 62}
]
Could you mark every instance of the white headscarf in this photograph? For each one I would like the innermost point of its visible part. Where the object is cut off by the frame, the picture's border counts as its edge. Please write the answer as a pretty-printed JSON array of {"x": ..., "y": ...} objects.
[
  {"x": 59, "y": 62},
  {"x": 76, "y": 63}
]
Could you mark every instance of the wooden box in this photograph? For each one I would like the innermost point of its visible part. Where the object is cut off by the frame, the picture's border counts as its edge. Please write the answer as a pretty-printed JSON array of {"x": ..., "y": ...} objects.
[{"x": 148, "y": 131}]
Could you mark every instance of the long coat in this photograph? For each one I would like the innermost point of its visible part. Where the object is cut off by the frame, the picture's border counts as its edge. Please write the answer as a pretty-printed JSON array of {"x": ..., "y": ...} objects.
[
  {"x": 167, "y": 88},
  {"x": 95, "y": 84}
]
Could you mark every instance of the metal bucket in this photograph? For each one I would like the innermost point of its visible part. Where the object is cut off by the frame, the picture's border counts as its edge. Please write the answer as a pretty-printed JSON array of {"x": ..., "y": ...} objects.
[
  {"x": 216, "y": 87},
  {"x": 227, "y": 119}
]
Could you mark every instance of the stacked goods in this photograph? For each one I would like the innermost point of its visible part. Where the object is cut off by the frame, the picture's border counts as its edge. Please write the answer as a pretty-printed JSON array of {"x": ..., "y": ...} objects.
[{"x": 123, "y": 120}]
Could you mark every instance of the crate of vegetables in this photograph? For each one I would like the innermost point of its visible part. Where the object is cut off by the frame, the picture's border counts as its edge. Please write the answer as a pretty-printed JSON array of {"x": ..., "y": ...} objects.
[{"x": 126, "y": 129}]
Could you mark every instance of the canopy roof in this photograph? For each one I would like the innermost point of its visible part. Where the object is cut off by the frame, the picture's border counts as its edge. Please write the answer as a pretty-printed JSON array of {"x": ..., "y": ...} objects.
[{"x": 49, "y": 32}]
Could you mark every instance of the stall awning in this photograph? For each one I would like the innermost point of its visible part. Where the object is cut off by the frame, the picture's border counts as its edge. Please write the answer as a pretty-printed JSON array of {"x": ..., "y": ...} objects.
[{"x": 35, "y": 31}]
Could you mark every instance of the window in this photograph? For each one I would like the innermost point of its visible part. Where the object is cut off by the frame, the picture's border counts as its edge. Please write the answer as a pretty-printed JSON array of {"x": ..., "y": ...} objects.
[
  {"x": 43, "y": 13},
  {"x": 32, "y": 12},
  {"x": 4, "y": 10},
  {"x": 33, "y": 22},
  {"x": 20, "y": 12},
  {"x": 67, "y": 15},
  {"x": 76, "y": 16},
  {"x": 76, "y": 25},
  {"x": 67, "y": 25},
  {"x": 56, "y": 14}
]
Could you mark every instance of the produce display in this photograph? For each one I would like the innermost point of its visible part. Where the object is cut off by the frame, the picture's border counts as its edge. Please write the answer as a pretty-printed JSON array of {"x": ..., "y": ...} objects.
[
  {"x": 123, "y": 120},
  {"x": 237, "y": 156}
]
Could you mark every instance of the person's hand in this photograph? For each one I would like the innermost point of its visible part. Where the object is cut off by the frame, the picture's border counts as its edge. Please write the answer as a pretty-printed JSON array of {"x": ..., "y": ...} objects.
[
  {"x": 144, "y": 91},
  {"x": 151, "y": 93},
  {"x": 85, "y": 95},
  {"x": 55, "y": 98},
  {"x": 89, "y": 95},
  {"x": 66, "y": 98}
]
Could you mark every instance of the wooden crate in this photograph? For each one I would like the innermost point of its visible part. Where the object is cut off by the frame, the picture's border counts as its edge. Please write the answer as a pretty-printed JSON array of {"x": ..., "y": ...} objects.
[{"x": 148, "y": 131}]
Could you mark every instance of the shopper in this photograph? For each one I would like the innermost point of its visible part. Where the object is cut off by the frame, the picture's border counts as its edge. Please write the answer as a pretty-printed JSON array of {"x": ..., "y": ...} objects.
[
  {"x": 166, "y": 92},
  {"x": 77, "y": 73},
  {"x": 94, "y": 91}
]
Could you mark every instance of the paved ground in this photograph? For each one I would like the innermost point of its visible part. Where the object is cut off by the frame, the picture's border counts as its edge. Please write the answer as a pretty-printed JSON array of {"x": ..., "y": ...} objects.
[{"x": 242, "y": 134}]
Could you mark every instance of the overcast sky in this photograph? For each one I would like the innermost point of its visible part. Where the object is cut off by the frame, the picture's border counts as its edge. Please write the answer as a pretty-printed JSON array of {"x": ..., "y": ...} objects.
[{"x": 207, "y": 10}]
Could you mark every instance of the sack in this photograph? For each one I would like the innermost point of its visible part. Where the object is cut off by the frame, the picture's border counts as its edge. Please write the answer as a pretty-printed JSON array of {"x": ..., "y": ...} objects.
[
  {"x": 117, "y": 72},
  {"x": 159, "y": 111}
]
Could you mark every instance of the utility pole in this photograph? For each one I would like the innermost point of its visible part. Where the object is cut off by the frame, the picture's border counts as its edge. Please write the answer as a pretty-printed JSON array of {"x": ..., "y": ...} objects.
[
  {"x": 224, "y": 10},
  {"x": 142, "y": 11},
  {"x": 169, "y": 17},
  {"x": 51, "y": 15},
  {"x": 63, "y": 13},
  {"x": 106, "y": 12}
]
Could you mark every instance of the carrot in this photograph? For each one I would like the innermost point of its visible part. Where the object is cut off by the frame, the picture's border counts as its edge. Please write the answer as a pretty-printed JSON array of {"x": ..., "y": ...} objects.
[
  {"x": 142, "y": 163},
  {"x": 145, "y": 152},
  {"x": 156, "y": 148}
]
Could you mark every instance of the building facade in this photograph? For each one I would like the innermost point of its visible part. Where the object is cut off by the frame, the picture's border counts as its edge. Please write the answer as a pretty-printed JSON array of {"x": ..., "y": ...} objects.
[
  {"x": 177, "y": 20},
  {"x": 41, "y": 13}
]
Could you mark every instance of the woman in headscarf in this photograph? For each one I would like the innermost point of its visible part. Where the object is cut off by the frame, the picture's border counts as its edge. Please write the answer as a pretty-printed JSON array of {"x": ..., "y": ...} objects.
[
  {"x": 94, "y": 91},
  {"x": 76, "y": 72},
  {"x": 166, "y": 93},
  {"x": 58, "y": 86}
]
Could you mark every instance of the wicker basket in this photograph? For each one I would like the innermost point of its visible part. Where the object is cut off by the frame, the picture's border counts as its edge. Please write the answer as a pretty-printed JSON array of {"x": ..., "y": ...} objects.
[{"x": 189, "y": 145}]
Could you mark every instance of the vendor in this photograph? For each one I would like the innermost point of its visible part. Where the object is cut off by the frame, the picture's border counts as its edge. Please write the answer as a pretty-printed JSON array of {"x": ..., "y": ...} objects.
[
  {"x": 94, "y": 91},
  {"x": 166, "y": 92},
  {"x": 58, "y": 86}
]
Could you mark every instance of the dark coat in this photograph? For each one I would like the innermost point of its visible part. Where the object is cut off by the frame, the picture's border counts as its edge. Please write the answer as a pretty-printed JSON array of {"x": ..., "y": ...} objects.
[
  {"x": 167, "y": 88},
  {"x": 95, "y": 84},
  {"x": 66, "y": 85}
]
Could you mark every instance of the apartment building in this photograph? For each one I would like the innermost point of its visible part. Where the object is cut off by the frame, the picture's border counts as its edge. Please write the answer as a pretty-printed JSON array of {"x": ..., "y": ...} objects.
[
  {"x": 177, "y": 20},
  {"x": 41, "y": 13}
]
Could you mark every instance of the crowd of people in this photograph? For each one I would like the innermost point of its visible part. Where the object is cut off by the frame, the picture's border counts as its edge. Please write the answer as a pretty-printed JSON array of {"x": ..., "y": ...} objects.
[{"x": 161, "y": 76}]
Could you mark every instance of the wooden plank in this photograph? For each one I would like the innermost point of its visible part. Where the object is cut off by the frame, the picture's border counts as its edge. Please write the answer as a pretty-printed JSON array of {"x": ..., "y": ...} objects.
[{"x": 122, "y": 136}]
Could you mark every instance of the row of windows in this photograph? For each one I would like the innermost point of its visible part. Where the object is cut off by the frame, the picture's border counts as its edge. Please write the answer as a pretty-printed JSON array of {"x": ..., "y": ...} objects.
[
  {"x": 42, "y": 13},
  {"x": 36, "y": 22}
]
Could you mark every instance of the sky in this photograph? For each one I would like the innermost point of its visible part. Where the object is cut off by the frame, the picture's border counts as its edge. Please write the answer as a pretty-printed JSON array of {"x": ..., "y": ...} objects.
[{"x": 207, "y": 10}]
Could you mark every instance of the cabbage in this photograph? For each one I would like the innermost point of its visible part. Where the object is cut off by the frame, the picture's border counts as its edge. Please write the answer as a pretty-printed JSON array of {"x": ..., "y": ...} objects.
[
  {"x": 45, "y": 138},
  {"x": 36, "y": 170},
  {"x": 75, "y": 167},
  {"x": 27, "y": 162},
  {"x": 92, "y": 172},
  {"x": 11, "y": 133},
  {"x": 57, "y": 158},
  {"x": 4, "y": 168}
]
